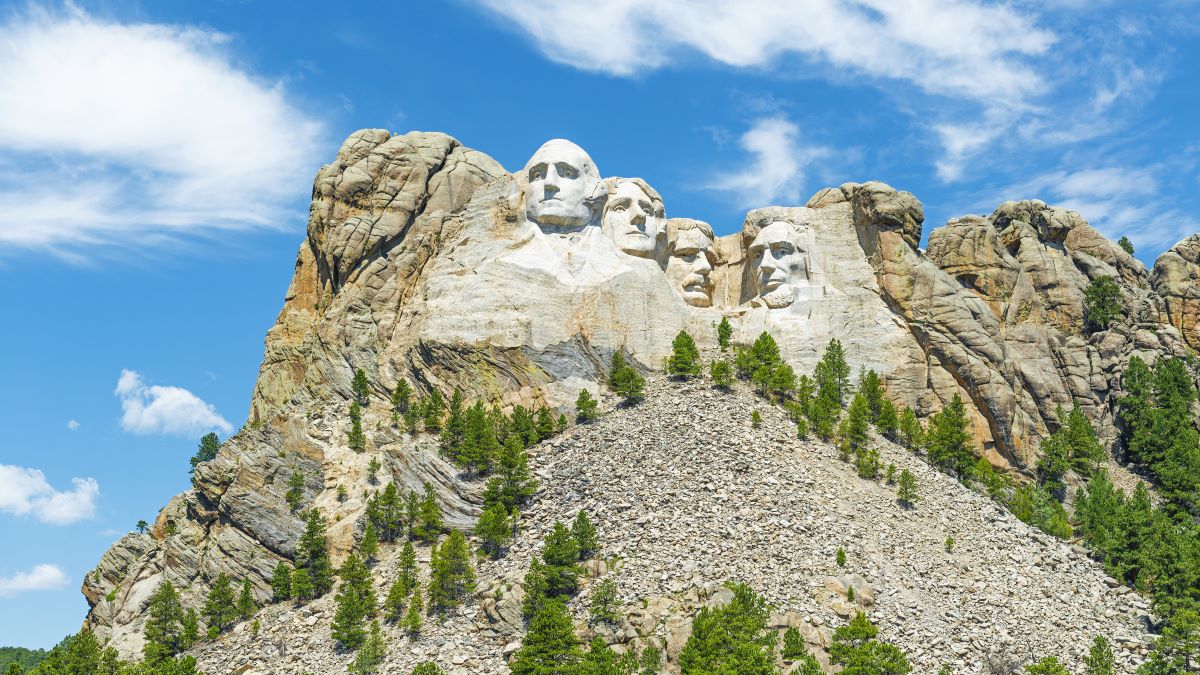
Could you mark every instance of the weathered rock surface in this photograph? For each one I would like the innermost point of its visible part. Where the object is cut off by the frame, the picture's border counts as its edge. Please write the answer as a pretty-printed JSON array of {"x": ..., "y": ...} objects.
[
  {"x": 686, "y": 494},
  {"x": 425, "y": 260}
]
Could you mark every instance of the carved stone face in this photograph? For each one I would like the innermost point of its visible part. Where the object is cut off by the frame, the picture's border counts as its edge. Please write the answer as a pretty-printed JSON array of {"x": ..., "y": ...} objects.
[
  {"x": 779, "y": 263},
  {"x": 630, "y": 218},
  {"x": 561, "y": 186},
  {"x": 689, "y": 267}
]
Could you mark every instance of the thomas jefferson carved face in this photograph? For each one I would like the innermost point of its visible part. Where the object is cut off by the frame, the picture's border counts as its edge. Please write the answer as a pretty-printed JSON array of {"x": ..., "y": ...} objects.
[
  {"x": 634, "y": 219},
  {"x": 779, "y": 262},
  {"x": 562, "y": 187},
  {"x": 690, "y": 264}
]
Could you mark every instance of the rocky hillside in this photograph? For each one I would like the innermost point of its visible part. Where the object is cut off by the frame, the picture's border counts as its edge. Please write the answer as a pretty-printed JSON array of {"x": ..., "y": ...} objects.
[
  {"x": 427, "y": 262},
  {"x": 686, "y": 495}
]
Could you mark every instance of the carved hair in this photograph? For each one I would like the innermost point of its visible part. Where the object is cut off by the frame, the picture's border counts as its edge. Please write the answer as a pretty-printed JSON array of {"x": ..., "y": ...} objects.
[{"x": 677, "y": 226}]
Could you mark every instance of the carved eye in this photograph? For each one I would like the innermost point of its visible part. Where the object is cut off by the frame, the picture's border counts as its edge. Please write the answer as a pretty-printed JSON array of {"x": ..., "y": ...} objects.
[
  {"x": 619, "y": 208},
  {"x": 538, "y": 172},
  {"x": 566, "y": 170}
]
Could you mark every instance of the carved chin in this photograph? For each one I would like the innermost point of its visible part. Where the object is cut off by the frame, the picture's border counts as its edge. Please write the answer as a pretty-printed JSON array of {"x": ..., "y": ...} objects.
[
  {"x": 778, "y": 298},
  {"x": 637, "y": 245},
  {"x": 697, "y": 298}
]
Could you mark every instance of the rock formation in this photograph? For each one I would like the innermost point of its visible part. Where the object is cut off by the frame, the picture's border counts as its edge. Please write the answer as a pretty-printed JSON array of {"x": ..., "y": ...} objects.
[{"x": 427, "y": 261}]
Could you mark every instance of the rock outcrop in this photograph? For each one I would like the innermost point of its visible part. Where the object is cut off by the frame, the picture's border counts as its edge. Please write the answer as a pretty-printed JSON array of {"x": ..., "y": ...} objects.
[{"x": 426, "y": 261}]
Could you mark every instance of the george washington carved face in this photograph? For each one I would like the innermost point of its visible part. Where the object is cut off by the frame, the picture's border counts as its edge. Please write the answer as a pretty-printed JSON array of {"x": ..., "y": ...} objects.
[{"x": 563, "y": 190}]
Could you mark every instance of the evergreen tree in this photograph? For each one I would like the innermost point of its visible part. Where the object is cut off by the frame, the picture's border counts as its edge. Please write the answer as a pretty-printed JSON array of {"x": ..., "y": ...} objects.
[
  {"x": 394, "y": 602},
  {"x": 281, "y": 582},
  {"x": 412, "y": 514},
  {"x": 312, "y": 554},
  {"x": 429, "y": 524},
  {"x": 562, "y": 423},
  {"x": 412, "y": 418},
  {"x": 428, "y": 668},
  {"x": 347, "y": 627},
  {"x": 369, "y": 546},
  {"x": 401, "y": 397},
  {"x": 835, "y": 376},
  {"x": 949, "y": 442},
  {"x": 1125, "y": 245},
  {"x": 493, "y": 530},
  {"x": 209, "y": 445},
  {"x": 295, "y": 491},
  {"x": 724, "y": 332},
  {"x": 523, "y": 426},
  {"x": 451, "y": 577},
  {"x": 685, "y": 357},
  {"x": 731, "y": 639},
  {"x": 356, "y": 439},
  {"x": 373, "y": 468},
  {"x": 189, "y": 632},
  {"x": 855, "y": 427},
  {"x": 355, "y": 573},
  {"x": 412, "y": 616},
  {"x": 370, "y": 657},
  {"x": 164, "y": 626},
  {"x": 141, "y": 526},
  {"x": 246, "y": 604},
  {"x": 793, "y": 645},
  {"x": 550, "y": 645},
  {"x": 603, "y": 608},
  {"x": 1086, "y": 451},
  {"x": 867, "y": 463},
  {"x": 1055, "y": 461},
  {"x": 871, "y": 387},
  {"x": 536, "y": 589},
  {"x": 545, "y": 423},
  {"x": 302, "y": 585},
  {"x": 721, "y": 374},
  {"x": 625, "y": 379},
  {"x": 561, "y": 555},
  {"x": 912, "y": 434},
  {"x": 1101, "y": 303},
  {"x": 360, "y": 388},
  {"x": 454, "y": 429},
  {"x": 585, "y": 536},
  {"x": 856, "y": 649},
  {"x": 512, "y": 485},
  {"x": 433, "y": 410},
  {"x": 906, "y": 491},
  {"x": 220, "y": 610},
  {"x": 585, "y": 406},
  {"x": 888, "y": 422},
  {"x": 1099, "y": 659},
  {"x": 1047, "y": 666}
]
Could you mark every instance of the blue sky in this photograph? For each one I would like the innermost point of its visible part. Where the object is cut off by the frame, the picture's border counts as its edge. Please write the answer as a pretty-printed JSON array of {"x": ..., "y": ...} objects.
[{"x": 156, "y": 161}]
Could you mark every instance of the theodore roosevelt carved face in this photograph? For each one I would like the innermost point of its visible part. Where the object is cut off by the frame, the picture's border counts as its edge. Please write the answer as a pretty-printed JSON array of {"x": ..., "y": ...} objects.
[
  {"x": 634, "y": 218},
  {"x": 691, "y": 260},
  {"x": 563, "y": 190},
  {"x": 780, "y": 259}
]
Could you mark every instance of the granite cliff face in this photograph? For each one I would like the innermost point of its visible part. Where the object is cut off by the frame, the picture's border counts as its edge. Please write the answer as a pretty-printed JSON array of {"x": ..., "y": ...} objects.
[{"x": 427, "y": 261}]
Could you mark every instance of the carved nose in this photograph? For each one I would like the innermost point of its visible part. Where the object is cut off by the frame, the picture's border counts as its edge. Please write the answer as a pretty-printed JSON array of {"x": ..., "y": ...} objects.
[{"x": 702, "y": 264}]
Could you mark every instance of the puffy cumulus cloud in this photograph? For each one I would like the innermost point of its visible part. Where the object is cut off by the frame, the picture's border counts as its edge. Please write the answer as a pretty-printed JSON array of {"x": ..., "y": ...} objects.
[
  {"x": 154, "y": 409},
  {"x": 134, "y": 134},
  {"x": 775, "y": 174},
  {"x": 25, "y": 491},
  {"x": 959, "y": 48},
  {"x": 40, "y": 578}
]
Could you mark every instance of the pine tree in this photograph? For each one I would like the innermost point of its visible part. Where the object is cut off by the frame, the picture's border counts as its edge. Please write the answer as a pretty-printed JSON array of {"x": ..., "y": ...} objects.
[
  {"x": 867, "y": 463},
  {"x": 429, "y": 524},
  {"x": 454, "y": 430},
  {"x": 220, "y": 611},
  {"x": 164, "y": 626},
  {"x": 685, "y": 357},
  {"x": 888, "y": 423},
  {"x": 834, "y": 377},
  {"x": 412, "y": 616},
  {"x": 721, "y": 374},
  {"x": 585, "y": 536},
  {"x": 433, "y": 410},
  {"x": 585, "y": 406},
  {"x": 724, "y": 332},
  {"x": 1086, "y": 451},
  {"x": 1055, "y": 461},
  {"x": 246, "y": 604},
  {"x": 796, "y": 651},
  {"x": 871, "y": 387},
  {"x": 206, "y": 452},
  {"x": 302, "y": 585},
  {"x": 295, "y": 491},
  {"x": 1125, "y": 245},
  {"x": 1049, "y": 665},
  {"x": 906, "y": 491},
  {"x": 373, "y": 468},
  {"x": 536, "y": 590},
  {"x": 550, "y": 645},
  {"x": 360, "y": 387},
  {"x": 603, "y": 608},
  {"x": 427, "y": 668},
  {"x": 355, "y": 573},
  {"x": 451, "y": 576},
  {"x": 356, "y": 439},
  {"x": 855, "y": 427},
  {"x": 854, "y": 647},
  {"x": 544, "y": 424},
  {"x": 949, "y": 442},
  {"x": 347, "y": 627},
  {"x": 1099, "y": 660},
  {"x": 370, "y": 657},
  {"x": 412, "y": 514},
  {"x": 394, "y": 601},
  {"x": 189, "y": 629},
  {"x": 512, "y": 485},
  {"x": 912, "y": 434},
  {"x": 625, "y": 379},
  {"x": 281, "y": 582},
  {"x": 369, "y": 546},
  {"x": 562, "y": 423},
  {"x": 312, "y": 554},
  {"x": 401, "y": 396},
  {"x": 1101, "y": 303},
  {"x": 731, "y": 639},
  {"x": 493, "y": 530},
  {"x": 141, "y": 526},
  {"x": 561, "y": 555}
]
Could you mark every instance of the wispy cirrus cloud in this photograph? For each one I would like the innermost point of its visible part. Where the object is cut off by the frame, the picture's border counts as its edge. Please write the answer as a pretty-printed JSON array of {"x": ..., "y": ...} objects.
[
  {"x": 26, "y": 492},
  {"x": 133, "y": 134},
  {"x": 776, "y": 171},
  {"x": 156, "y": 409}
]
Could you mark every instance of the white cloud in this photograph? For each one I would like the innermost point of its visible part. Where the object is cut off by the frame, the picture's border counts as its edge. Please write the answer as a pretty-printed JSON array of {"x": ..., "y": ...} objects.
[
  {"x": 164, "y": 410},
  {"x": 960, "y": 48},
  {"x": 25, "y": 491},
  {"x": 40, "y": 578},
  {"x": 73, "y": 425},
  {"x": 776, "y": 174},
  {"x": 124, "y": 135}
]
